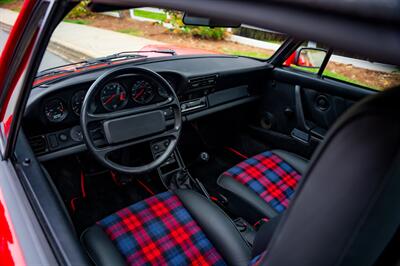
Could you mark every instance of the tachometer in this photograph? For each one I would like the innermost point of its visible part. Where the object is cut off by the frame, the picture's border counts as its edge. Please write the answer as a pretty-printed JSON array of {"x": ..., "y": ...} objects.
[
  {"x": 55, "y": 110},
  {"x": 142, "y": 92},
  {"x": 76, "y": 102},
  {"x": 113, "y": 97}
]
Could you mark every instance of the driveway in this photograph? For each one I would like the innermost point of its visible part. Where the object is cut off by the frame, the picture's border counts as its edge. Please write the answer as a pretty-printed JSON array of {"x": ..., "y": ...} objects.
[{"x": 49, "y": 60}]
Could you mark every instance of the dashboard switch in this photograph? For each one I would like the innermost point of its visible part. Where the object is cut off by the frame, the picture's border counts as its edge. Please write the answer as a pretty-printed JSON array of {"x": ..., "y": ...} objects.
[
  {"x": 63, "y": 137},
  {"x": 53, "y": 141}
]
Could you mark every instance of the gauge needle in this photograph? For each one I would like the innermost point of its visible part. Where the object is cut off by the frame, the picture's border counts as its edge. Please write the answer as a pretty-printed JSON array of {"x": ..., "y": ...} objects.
[
  {"x": 139, "y": 94},
  {"x": 109, "y": 99}
]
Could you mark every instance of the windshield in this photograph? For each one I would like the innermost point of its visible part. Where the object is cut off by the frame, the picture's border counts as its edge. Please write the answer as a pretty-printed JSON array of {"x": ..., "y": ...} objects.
[{"x": 84, "y": 35}]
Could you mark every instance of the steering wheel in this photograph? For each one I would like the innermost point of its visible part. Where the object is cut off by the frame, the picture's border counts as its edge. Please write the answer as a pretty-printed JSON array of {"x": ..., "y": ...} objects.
[{"x": 128, "y": 127}]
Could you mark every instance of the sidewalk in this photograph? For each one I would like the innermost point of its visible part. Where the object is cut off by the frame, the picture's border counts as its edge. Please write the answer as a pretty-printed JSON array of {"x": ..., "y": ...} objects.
[{"x": 79, "y": 42}]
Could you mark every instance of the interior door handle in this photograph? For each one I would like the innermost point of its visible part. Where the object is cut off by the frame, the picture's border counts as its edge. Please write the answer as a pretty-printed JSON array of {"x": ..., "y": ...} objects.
[
  {"x": 301, "y": 121},
  {"x": 301, "y": 131}
]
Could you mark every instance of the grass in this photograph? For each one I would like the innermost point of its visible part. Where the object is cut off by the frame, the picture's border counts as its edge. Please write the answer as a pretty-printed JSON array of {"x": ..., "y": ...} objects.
[
  {"x": 131, "y": 31},
  {"x": 340, "y": 77},
  {"x": 253, "y": 54},
  {"x": 6, "y": 1},
  {"x": 150, "y": 15},
  {"x": 77, "y": 21},
  {"x": 333, "y": 75}
]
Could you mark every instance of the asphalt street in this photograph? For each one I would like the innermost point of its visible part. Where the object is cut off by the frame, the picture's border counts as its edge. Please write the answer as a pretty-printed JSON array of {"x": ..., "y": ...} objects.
[{"x": 49, "y": 60}]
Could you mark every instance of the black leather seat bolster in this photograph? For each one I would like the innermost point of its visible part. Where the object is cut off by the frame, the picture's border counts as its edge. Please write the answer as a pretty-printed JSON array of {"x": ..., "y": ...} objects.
[
  {"x": 249, "y": 197},
  {"x": 217, "y": 226},
  {"x": 297, "y": 162},
  {"x": 100, "y": 248}
]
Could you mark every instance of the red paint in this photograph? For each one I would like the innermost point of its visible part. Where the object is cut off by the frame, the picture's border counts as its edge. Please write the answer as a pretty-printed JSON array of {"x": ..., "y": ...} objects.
[
  {"x": 180, "y": 50},
  {"x": 145, "y": 187},
  {"x": 291, "y": 60},
  {"x": 7, "y": 124},
  {"x": 10, "y": 250},
  {"x": 237, "y": 152},
  {"x": 301, "y": 61},
  {"x": 8, "y": 52}
]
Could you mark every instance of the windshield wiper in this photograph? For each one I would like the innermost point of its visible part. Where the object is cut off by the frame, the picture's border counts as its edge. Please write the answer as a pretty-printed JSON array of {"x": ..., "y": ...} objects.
[
  {"x": 106, "y": 59},
  {"x": 124, "y": 56},
  {"x": 51, "y": 72}
]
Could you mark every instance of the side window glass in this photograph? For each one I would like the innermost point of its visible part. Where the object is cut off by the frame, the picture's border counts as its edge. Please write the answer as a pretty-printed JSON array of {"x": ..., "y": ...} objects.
[{"x": 361, "y": 71}]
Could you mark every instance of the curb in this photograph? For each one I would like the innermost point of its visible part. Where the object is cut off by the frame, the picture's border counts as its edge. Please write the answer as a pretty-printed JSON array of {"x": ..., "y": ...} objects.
[
  {"x": 57, "y": 48},
  {"x": 66, "y": 52}
]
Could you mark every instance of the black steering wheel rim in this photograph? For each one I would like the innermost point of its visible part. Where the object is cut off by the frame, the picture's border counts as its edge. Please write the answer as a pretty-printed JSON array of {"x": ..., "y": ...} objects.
[{"x": 101, "y": 153}]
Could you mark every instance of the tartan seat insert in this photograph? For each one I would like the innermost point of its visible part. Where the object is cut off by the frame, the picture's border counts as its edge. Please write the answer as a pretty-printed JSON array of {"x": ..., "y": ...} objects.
[
  {"x": 159, "y": 231},
  {"x": 269, "y": 176}
]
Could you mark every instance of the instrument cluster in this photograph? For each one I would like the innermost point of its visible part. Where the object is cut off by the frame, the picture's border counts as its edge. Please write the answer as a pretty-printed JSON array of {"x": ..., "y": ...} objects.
[{"x": 114, "y": 96}]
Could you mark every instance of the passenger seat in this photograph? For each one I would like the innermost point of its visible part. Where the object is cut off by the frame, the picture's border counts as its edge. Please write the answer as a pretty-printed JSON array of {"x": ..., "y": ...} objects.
[{"x": 263, "y": 185}]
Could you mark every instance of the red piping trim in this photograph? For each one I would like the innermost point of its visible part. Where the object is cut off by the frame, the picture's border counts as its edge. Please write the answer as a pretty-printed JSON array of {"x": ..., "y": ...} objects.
[
  {"x": 214, "y": 198},
  {"x": 83, "y": 185},
  {"x": 237, "y": 152},
  {"x": 72, "y": 204},
  {"x": 114, "y": 178},
  {"x": 146, "y": 187}
]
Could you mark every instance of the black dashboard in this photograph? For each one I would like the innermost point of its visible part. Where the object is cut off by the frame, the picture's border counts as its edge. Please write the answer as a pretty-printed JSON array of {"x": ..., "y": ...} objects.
[{"x": 204, "y": 85}]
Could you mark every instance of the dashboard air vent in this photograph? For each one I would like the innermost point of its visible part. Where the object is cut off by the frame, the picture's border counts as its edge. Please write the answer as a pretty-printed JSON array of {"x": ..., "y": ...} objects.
[
  {"x": 203, "y": 82},
  {"x": 38, "y": 144}
]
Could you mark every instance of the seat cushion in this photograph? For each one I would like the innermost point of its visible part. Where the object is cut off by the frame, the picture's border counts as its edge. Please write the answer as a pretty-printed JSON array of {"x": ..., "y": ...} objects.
[
  {"x": 265, "y": 181},
  {"x": 167, "y": 230},
  {"x": 160, "y": 230}
]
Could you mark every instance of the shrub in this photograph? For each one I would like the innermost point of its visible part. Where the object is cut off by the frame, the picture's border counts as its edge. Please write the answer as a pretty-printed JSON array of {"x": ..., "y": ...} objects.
[
  {"x": 80, "y": 11},
  {"x": 175, "y": 19}
]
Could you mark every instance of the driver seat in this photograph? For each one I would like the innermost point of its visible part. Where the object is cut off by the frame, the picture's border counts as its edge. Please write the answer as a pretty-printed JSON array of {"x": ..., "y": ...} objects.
[{"x": 170, "y": 228}]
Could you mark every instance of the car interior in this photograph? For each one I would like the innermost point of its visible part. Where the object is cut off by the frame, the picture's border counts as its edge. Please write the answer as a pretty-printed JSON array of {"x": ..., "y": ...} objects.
[{"x": 225, "y": 139}]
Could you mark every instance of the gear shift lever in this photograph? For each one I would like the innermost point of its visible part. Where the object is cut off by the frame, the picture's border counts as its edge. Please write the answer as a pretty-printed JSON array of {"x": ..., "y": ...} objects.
[{"x": 203, "y": 157}]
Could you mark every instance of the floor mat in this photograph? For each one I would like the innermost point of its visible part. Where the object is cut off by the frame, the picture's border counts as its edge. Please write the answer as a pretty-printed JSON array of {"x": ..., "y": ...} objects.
[
  {"x": 93, "y": 193},
  {"x": 102, "y": 198}
]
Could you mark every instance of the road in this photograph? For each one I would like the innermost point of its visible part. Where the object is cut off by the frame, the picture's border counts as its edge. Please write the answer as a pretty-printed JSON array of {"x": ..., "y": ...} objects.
[{"x": 49, "y": 60}]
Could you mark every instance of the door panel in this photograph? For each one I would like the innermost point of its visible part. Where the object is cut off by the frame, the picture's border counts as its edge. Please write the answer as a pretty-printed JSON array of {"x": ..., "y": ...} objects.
[
  {"x": 298, "y": 109},
  {"x": 323, "y": 109}
]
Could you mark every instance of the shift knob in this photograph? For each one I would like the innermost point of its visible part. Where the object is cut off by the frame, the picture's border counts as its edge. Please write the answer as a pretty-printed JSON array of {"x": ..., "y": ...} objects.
[{"x": 204, "y": 156}]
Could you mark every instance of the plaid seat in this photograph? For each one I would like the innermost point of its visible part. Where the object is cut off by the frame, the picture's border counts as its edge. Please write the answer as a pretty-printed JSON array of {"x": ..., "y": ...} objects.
[
  {"x": 269, "y": 176},
  {"x": 159, "y": 231}
]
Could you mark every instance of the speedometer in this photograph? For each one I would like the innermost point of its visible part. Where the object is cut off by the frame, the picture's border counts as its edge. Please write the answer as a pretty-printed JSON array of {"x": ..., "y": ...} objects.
[
  {"x": 76, "y": 102},
  {"x": 113, "y": 97},
  {"x": 142, "y": 92},
  {"x": 55, "y": 110}
]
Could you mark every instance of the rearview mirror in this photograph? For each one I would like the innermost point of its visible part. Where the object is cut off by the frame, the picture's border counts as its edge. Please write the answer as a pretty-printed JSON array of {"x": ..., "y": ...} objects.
[
  {"x": 208, "y": 22},
  {"x": 310, "y": 57}
]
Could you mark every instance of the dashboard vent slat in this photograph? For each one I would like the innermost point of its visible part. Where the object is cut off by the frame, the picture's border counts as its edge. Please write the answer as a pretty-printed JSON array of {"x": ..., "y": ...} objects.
[
  {"x": 203, "y": 82},
  {"x": 38, "y": 144}
]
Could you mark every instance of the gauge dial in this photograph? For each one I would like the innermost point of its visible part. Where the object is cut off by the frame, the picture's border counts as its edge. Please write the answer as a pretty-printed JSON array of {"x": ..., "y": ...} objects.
[
  {"x": 55, "y": 110},
  {"x": 163, "y": 92},
  {"x": 113, "y": 97},
  {"x": 76, "y": 102},
  {"x": 142, "y": 92}
]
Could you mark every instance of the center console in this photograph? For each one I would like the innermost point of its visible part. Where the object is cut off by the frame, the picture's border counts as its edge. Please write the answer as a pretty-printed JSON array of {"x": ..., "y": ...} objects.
[{"x": 173, "y": 172}]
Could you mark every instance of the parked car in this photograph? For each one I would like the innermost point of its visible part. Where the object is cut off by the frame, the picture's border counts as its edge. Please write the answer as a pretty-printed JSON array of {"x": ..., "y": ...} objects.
[{"x": 172, "y": 155}]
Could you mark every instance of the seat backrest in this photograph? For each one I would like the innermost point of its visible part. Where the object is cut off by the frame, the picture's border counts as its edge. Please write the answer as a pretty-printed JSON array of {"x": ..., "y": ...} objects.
[{"x": 347, "y": 207}]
